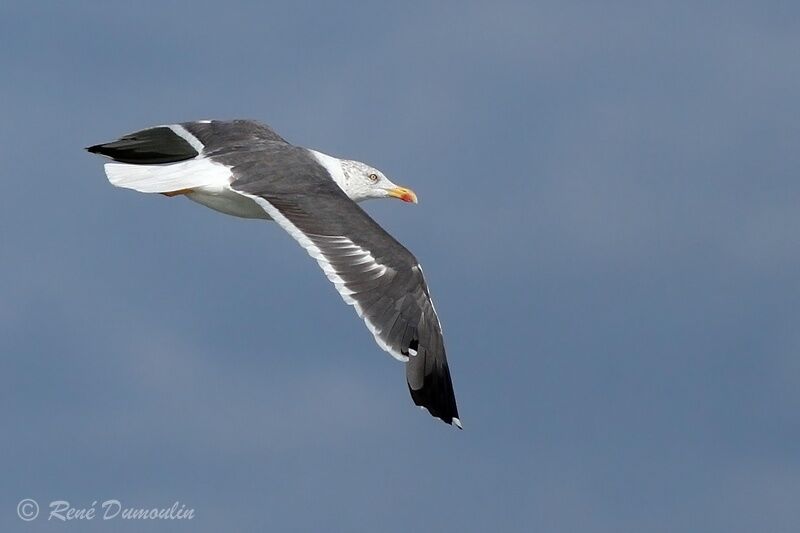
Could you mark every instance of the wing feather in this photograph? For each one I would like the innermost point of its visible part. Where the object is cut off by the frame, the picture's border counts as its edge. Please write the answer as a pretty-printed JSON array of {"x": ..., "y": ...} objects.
[{"x": 373, "y": 272}]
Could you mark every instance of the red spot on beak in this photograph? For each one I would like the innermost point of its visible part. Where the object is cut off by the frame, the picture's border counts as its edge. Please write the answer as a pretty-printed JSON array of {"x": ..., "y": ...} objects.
[{"x": 407, "y": 195}]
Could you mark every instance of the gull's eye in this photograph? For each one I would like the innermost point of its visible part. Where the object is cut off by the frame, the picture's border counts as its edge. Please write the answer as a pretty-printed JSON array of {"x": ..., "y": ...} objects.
[{"x": 373, "y": 178}]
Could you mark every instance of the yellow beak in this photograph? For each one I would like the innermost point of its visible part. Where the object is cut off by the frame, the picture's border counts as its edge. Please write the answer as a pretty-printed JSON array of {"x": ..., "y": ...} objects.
[{"x": 407, "y": 195}]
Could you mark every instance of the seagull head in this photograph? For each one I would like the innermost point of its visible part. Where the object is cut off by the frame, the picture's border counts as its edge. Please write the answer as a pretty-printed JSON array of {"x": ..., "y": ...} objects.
[{"x": 364, "y": 181}]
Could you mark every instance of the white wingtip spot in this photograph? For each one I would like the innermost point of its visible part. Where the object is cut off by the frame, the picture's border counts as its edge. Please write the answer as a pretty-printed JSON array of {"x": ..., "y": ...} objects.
[
  {"x": 412, "y": 351},
  {"x": 457, "y": 422}
]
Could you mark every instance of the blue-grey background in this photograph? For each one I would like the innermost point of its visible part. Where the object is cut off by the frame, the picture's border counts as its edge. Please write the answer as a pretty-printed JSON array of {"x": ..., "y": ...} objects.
[{"x": 608, "y": 221}]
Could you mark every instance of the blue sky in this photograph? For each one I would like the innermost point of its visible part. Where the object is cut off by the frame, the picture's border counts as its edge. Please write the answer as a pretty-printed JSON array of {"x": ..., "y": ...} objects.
[{"x": 608, "y": 221}]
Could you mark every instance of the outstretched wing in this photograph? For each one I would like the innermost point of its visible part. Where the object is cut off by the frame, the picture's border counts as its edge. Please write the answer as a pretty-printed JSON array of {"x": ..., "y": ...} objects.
[
  {"x": 172, "y": 143},
  {"x": 180, "y": 157},
  {"x": 370, "y": 269}
]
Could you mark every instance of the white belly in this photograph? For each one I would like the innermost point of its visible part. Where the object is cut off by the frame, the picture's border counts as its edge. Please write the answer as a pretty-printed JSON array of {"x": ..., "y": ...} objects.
[{"x": 226, "y": 201}]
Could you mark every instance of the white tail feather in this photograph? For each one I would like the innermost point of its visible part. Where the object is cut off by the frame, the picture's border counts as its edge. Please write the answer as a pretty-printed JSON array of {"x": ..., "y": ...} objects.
[{"x": 195, "y": 173}]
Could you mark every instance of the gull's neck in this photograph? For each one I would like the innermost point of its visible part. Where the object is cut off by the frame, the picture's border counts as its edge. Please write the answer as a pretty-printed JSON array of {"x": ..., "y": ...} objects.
[{"x": 334, "y": 167}]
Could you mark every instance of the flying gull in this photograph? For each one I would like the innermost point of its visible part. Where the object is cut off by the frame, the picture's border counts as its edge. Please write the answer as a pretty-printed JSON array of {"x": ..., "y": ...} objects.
[{"x": 243, "y": 168}]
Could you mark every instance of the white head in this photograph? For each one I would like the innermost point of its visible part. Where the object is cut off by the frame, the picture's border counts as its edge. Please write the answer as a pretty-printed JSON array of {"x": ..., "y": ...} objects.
[{"x": 361, "y": 181}]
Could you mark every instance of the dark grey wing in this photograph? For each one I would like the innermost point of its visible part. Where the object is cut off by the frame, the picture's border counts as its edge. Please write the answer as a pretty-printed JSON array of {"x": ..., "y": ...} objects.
[
  {"x": 172, "y": 143},
  {"x": 216, "y": 135},
  {"x": 370, "y": 269}
]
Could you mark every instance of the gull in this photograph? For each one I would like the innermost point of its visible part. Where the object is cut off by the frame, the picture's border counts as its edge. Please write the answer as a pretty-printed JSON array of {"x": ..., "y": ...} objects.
[{"x": 245, "y": 169}]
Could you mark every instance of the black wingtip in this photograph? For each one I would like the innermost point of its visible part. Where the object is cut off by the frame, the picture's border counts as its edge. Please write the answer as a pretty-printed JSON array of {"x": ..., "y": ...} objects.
[
  {"x": 436, "y": 396},
  {"x": 451, "y": 421},
  {"x": 152, "y": 146}
]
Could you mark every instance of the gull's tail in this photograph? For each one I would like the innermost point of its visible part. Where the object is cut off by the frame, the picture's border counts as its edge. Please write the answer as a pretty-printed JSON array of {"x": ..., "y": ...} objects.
[{"x": 163, "y": 159}]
